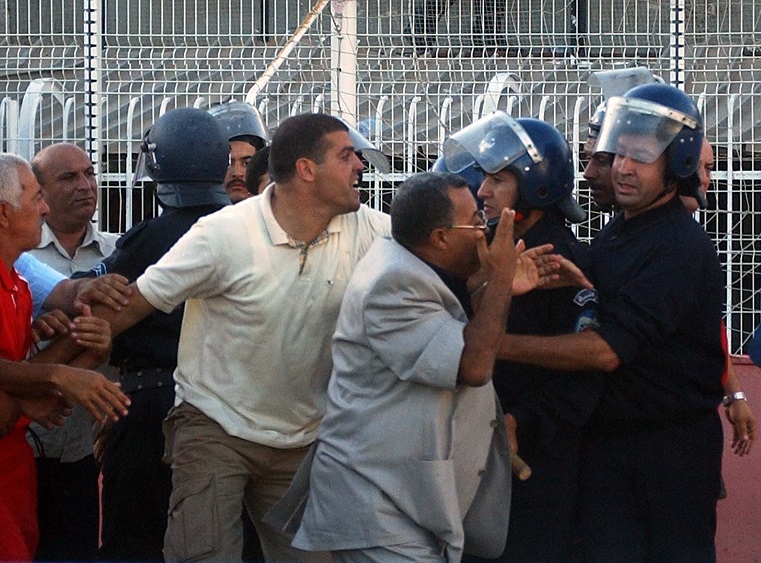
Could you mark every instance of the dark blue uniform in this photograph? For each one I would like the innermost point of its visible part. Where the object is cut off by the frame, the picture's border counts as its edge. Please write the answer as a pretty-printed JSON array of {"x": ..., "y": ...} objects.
[
  {"x": 652, "y": 455},
  {"x": 136, "y": 484},
  {"x": 550, "y": 408}
]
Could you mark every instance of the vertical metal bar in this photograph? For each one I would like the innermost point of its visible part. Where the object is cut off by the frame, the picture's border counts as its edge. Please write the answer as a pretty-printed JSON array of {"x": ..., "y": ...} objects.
[
  {"x": 730, "y": 207},
  {"x": 676, "y": 46},
  {"x": 576, "y": 143},
  {"x": 92, "y": 93},
  {"x": 377, "y": 182},
  {"x": 412, "y": 135},
  {"x": 444, "y": 116},
  {"x": 343, "y": 59},
  {"x": 130, "y": 175}
]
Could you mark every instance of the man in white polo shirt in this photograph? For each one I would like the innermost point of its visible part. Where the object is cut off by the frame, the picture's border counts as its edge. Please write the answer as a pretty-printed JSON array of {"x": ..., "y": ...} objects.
[{"x": 262, "y": 283}]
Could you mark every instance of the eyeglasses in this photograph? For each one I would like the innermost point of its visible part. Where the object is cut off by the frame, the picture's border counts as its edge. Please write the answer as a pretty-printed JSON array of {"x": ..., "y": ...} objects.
[{"x": 482, "y": 227}]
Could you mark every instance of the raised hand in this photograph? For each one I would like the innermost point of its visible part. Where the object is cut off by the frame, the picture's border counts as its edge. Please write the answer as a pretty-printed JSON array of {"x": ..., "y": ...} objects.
[
  {"x": 498, "y": 260},
  {"x": 567, "y": 274},
  {"x": 534, "y": 267}
]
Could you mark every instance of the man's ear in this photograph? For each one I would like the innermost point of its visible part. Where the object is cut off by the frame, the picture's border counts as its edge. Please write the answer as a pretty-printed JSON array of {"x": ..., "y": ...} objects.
[
  {"x": 6, "y": 209},
  {"x": 306, "y": 169},
  {"x": 438, "y": 238}
]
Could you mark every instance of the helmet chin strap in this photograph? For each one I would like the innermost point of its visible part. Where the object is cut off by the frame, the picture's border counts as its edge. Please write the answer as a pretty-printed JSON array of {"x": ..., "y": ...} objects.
[{"x": 521, "y": 209}]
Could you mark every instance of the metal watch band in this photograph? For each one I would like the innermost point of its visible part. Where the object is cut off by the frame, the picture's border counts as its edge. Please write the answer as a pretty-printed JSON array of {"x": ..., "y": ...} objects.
[{"x": 731, "y": 398}]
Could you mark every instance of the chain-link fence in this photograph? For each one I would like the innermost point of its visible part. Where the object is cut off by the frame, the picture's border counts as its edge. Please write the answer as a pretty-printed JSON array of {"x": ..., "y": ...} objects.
[{"x": 98, "y": 72}]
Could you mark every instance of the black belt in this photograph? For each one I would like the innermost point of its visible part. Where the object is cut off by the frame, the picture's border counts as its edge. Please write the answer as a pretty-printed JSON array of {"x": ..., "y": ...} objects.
[{"x": 148, "y": 378}]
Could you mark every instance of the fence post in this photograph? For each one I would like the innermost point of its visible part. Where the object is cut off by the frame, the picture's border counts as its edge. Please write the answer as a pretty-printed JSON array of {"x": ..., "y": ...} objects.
[
  {"x": 343, "y": 61},
  {"x": 676, "y": 47},
  {"x": 92, "y": 94},
  {"x": 93, "y": 80}
]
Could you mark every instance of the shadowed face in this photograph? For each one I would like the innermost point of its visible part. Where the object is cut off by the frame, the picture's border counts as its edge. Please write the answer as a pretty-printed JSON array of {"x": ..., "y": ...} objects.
[
  {"x": 598, "y": 175},
  {"x": 705, "y": 168},
  {"x": 462, "y": 243},
  {"x": 639, "y": 185}
]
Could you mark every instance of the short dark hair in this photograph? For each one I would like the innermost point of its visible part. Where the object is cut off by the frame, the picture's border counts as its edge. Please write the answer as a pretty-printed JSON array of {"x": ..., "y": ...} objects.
[
  {"x": 422, "y": 204},
  {"x": 257, "y": 167},
  {"x": 301, "y": 136}
]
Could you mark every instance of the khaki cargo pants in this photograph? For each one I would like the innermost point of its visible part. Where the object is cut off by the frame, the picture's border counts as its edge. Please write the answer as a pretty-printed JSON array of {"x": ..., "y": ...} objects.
[{"x": 213, "y": 474}]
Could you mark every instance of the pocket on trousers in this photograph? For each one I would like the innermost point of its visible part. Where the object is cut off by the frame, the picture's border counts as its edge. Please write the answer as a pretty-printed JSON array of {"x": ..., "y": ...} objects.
[
  {"x": 169, "y": 427},
  {"x": 192, "y": 527}
]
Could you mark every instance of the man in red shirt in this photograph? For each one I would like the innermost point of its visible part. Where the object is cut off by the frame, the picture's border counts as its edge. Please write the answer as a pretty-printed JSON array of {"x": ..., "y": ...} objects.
[{"x": 42, "y": 394}]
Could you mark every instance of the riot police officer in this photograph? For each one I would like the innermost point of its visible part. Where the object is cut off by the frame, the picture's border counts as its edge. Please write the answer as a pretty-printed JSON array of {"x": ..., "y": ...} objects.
[
  {"x": 186, "y": 153},
  {"x": 651, "y": 458},
  {"x": 529, "y": 167},
  {"x": 247, "y": 134}
]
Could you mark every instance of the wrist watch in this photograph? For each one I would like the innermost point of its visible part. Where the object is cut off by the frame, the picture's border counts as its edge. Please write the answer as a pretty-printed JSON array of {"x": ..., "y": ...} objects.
[{"x": 732, "y": 397}]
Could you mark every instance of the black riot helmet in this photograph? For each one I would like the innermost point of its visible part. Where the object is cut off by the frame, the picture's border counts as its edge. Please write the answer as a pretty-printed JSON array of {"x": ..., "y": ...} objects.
[
  {"x": 187, "y": 154},
  {"x": 242, "y": 122}
]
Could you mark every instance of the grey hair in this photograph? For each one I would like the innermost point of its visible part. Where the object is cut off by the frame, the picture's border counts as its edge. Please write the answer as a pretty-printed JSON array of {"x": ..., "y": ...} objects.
[{"x": 10, "y": 184}]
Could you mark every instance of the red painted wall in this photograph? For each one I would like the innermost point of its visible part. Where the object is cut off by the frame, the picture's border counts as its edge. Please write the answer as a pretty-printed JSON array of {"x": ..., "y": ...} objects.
[{"x": 738, "y": 534}]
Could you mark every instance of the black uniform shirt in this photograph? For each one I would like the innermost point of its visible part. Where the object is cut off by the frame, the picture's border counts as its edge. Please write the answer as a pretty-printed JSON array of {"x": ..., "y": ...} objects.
[
  {"x": 543, "y": 400},
  {"x": 660, "y": 287}
]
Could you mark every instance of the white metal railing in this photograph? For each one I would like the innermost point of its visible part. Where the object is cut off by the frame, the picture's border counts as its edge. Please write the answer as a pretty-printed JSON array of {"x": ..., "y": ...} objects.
[{"x": 119, "y": 64}]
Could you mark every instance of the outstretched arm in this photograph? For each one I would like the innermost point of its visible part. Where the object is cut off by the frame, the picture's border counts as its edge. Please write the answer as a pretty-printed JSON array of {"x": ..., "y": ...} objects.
[
  {"x": 70, "y": 295},
  {"x": 583, "y": 351},
  {"x": 36, "y": 382}
]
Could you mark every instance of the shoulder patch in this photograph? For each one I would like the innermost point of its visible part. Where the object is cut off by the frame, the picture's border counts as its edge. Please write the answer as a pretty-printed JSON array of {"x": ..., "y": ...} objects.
[
  {"x": 588, "y": 319},
  {"x": 100, "y": 269},
  {"x": 585, "y": 296}
]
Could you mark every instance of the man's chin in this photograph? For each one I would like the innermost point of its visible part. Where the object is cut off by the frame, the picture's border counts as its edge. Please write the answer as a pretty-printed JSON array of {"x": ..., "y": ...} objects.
[
  {"x": 237, "y": 193},
  {"x": 353, "y": 207}
]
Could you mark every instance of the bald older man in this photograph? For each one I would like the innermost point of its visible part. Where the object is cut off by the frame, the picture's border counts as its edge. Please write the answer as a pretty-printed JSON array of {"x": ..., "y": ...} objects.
[
  {"x": 68, "y": 508},
  {"x": 70, "y": 243}
]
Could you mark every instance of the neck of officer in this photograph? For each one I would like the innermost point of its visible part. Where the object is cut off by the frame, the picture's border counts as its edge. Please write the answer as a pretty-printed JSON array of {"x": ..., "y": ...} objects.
[
  {"x": 664, "y": 196},
  {"x": 532, "y": 218}
]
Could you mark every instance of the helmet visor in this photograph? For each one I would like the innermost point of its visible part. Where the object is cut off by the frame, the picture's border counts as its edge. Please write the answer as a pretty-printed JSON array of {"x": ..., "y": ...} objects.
[
  {"x": 366, "y": 149},
  {"x": 640, "y": 129},
  {"x": 493, "y": 142}
]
